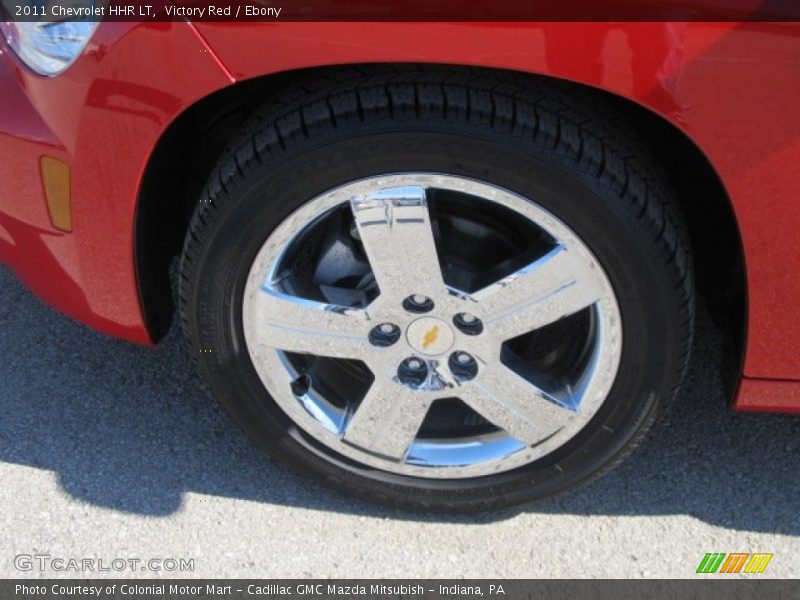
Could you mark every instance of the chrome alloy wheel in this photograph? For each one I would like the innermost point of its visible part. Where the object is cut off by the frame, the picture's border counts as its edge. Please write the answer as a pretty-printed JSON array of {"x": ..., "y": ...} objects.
[{"x": 432, "y": 325}]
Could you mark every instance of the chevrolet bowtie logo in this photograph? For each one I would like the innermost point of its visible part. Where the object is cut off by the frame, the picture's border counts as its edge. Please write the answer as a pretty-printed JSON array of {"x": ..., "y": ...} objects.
[{"x": 430, "y": 337}]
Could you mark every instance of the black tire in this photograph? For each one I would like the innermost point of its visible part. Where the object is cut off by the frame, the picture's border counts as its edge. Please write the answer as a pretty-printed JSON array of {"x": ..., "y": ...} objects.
[{"x": 541, "y": 139}]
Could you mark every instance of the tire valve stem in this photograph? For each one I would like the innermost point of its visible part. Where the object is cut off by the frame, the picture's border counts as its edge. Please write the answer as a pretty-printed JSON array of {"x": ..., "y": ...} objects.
[{"x": 301, "y": 385}]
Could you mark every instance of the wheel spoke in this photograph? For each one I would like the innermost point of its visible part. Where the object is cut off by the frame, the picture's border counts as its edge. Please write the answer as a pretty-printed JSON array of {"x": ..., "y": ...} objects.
[
  {"x": 305, "y": 326},
  {"x": 554, "y": 286},
  {"x": 515, "y": 405},
  {"x": 395, "y": 228},
  {"x": 387, "y": 420}
]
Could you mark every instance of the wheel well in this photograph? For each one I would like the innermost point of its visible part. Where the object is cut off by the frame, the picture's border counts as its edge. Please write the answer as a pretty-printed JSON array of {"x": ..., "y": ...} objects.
[
  {"x": 175, "y": 175},
  {"x": 190, "y": 147}
]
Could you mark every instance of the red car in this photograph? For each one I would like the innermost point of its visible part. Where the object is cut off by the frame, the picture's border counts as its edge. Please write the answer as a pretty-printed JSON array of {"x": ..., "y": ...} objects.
[{"x": 443, "y": 266}]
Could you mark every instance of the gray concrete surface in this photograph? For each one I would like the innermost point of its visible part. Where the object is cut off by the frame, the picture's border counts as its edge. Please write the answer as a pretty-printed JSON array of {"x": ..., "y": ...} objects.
[{"x": 109, "y": 450}]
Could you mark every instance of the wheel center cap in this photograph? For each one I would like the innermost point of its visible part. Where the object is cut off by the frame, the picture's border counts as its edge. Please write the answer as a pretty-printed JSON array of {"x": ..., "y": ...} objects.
[{"x": 430, "y": 336}]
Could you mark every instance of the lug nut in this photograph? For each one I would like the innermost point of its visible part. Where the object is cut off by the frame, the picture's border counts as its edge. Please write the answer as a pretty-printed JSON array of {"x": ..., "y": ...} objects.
[
  {"x": 467, "y": 323},
  {"x": 412, "y": 372},
  {"x": 463, "y": 366},
  {"x": 384, "y": 335},
  {"x": 417, "y": 303}
]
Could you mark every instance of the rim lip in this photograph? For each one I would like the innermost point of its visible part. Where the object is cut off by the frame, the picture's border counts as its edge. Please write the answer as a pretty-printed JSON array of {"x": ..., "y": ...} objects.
[{"x": 276, "y": 375}]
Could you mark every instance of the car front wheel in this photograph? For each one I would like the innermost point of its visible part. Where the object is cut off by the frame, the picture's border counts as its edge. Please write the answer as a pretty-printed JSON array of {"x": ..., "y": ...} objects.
[{"x": 443, "y": 289}]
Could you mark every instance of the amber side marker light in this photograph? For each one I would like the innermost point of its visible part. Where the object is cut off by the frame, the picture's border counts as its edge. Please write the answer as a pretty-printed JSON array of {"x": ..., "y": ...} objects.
[{"x": 55, "y": 179}]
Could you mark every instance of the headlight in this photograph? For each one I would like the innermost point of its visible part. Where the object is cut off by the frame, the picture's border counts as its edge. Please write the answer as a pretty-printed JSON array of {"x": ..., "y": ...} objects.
[{"x": 48, "y": 47}]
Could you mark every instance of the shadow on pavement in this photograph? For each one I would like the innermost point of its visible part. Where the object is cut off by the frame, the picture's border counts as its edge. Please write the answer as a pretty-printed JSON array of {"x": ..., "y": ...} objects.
[{"x": 131, "y": 429}]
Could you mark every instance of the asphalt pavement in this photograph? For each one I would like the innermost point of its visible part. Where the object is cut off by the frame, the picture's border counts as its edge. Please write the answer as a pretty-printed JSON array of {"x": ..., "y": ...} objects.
[{"x": 110, "y": 450}]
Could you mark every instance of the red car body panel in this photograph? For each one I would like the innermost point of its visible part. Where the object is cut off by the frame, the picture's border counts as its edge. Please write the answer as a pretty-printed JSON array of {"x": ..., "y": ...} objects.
[
  {"x": 103, "y": 116},
  {"x": 730, "y": 87}
]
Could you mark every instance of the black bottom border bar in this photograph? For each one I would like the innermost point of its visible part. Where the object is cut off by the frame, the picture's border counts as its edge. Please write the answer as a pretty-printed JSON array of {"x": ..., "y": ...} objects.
[{"x": 707, "y": 587}]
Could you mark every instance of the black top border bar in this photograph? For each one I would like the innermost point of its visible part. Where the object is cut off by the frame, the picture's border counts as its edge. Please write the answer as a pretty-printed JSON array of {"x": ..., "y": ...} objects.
[{"x": 403, "y": 10}]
